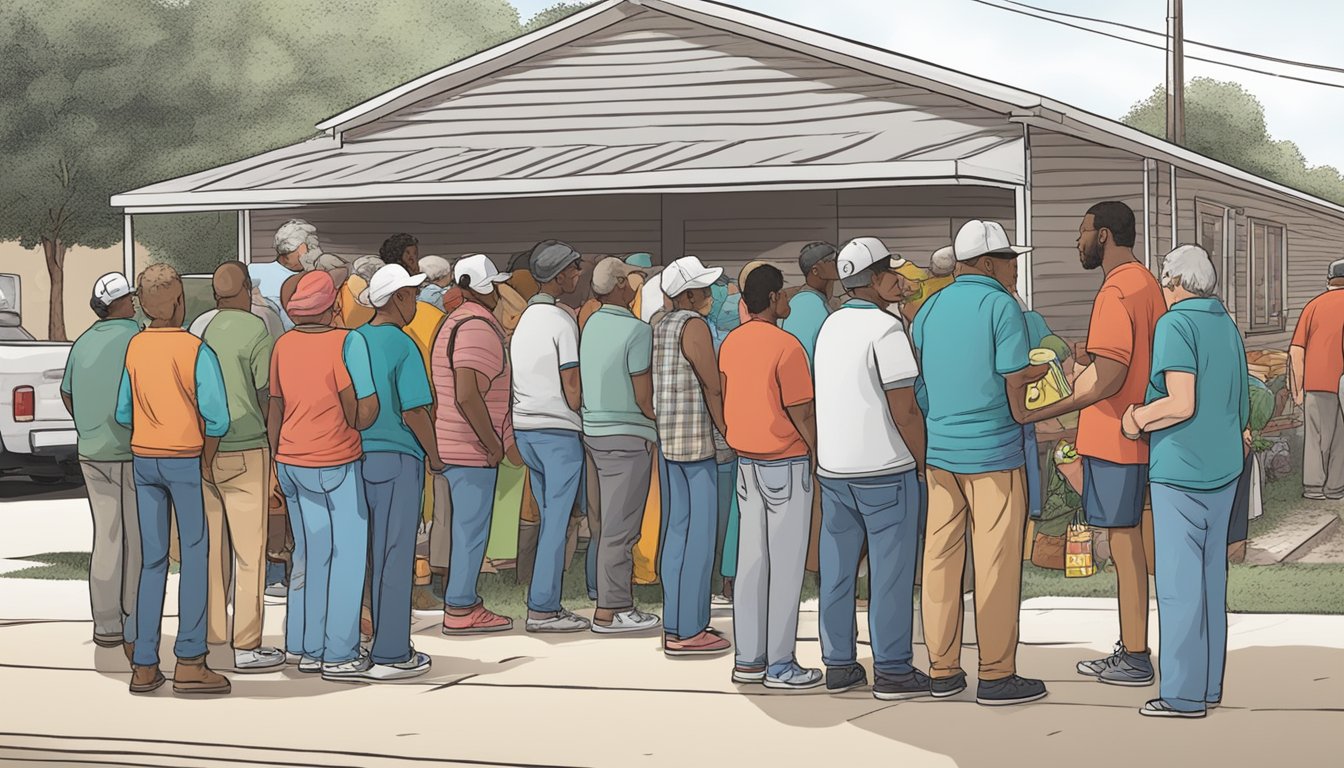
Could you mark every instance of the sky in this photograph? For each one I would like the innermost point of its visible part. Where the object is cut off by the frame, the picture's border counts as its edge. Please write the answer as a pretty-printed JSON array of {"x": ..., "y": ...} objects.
[{"x": 1097, "y": 73}]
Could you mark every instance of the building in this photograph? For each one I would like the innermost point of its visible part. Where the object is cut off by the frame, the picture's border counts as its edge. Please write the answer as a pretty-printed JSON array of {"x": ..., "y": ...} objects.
[{"x": 682, "y": 126}]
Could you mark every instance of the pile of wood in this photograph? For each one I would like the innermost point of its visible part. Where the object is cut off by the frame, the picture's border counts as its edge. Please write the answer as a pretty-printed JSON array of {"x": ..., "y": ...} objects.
[{"x": 1266, "y": 364}]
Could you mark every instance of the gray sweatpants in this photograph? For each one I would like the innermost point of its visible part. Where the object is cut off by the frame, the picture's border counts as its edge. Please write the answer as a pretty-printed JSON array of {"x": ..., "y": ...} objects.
[
  {"x": 775, "y": 502},
  {"x": 624, "y": 467},
  {"x": 114, "y": 570},
  {"x": 1323, "y": 451}
]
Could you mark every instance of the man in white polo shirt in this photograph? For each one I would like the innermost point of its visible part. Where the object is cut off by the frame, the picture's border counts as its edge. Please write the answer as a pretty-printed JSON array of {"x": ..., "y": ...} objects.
[
  {"x": 870, "y": 455},
  {"x": 544, "y": 353}
]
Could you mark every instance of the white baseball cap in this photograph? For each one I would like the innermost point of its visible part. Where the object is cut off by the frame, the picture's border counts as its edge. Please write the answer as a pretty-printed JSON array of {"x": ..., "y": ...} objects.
[
  {"x": 481, "y": 271},
  {"x": 984, "y": 238},
  {"x": 859, "y": 254},
  {"x": 111, "y": 287},
  {"x": 389, "y": 279},
  {"x": 686, "y": 273}
]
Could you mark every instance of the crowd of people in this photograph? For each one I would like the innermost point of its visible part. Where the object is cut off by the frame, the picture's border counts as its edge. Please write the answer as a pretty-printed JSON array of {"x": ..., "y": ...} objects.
[{"x": 337, "y": 436}]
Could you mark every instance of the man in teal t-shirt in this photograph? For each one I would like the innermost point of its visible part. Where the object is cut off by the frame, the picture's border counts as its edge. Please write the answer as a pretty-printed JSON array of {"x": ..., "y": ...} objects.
[
  {"x": 810, "y": 307},
  {"x": 89, "y": 390}
]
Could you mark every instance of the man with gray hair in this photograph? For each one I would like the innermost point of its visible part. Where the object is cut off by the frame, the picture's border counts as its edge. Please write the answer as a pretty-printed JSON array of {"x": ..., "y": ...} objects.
[
  {"x": 438, "y": 280},
  {"x": 1316, "y": 369},
  {"x": 296, "y": 250},
  {"x": 1195, "y": 458}
]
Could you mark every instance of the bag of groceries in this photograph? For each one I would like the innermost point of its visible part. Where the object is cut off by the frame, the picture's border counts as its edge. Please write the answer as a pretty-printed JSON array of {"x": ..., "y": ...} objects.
[
  {"x": 1053, "y": 387},
  {"x": 1078, "y": 560}
]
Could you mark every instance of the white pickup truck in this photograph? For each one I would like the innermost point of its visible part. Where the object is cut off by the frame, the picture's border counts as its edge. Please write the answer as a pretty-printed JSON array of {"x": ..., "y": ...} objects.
[{"x": 37, "y": 436}]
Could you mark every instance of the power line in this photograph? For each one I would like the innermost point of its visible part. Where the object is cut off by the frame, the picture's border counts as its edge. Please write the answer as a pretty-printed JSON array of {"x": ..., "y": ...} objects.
[
  {"x": 1145, "y": 30},
  {"x": 1159, "y": 47}
]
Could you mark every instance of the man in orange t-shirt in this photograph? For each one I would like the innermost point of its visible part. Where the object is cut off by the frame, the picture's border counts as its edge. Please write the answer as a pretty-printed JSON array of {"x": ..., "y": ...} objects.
[
  {"x": 769, "y": 411},
  {"x": 1317, "y": 356},
  {"x": 1115, "y": 470}
]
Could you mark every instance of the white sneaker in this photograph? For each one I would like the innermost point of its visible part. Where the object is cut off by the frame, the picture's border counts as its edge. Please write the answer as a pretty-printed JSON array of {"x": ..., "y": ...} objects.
[
  {"x": 258, "y": 660},
  {"x": 346, "y": 670},
  {"x": 306, "y": 664},
  {"x": 561, "y": 622},
  {"x": 628, "y": 621},
  {"x": 415, "y": 666},
  {"x": 720, "y": 603}
]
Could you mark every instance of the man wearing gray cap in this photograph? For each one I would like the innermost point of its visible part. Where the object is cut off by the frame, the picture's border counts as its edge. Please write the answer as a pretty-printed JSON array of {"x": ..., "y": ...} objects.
[
  {"x": 544, "y": 354},
  {"x": 615, "y": 361},
  {"x": 96, "y": 359},
  {"x": 810, "y": 307},
  {"x": 1317, "y": 366}
]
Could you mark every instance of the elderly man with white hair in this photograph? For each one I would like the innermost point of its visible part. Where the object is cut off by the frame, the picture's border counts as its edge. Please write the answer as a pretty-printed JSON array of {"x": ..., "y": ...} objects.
[
  {"x": 438, "y": 281},
  {"x": 296, "y": 250},
  {"x": 1195, "y": 458}
]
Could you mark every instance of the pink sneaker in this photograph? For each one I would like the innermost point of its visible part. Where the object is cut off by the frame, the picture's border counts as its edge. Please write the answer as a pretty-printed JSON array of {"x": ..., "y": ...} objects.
[
  {"x": 704, "y": 644},
  {"x": 480, "y": 620}
]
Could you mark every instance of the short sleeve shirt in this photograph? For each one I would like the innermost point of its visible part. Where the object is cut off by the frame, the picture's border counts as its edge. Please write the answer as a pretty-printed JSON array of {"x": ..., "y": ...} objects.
[
  {"x": 243, "y": 345},
  {"x": 1320, "y": 331},
  {"x": 615, "y": 346},
  {"x": 807, "y": 311},
  {"x": 545, "y": 343},
  {"x": 309, "y": 371},
  {"x": 96, "y": 362},
  {"x": 1204, "y": 452},
  {"x": 862, "y": 353},
  {"x": 400, "y": 380},
  {"x": 1124, "y": 318},
  {"x": 269, "y": 277},
  {"x": 479, "y": 346},
  {"x": 765, "y": 373},
  {"x": 970, "y": 336}
]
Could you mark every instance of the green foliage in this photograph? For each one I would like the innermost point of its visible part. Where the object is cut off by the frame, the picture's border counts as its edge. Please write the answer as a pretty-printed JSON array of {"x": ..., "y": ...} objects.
[
  {"x": 549, "y": 16},
  {"x": 1226, "y": 122},
  {"x": 1262, "y": 406},
  {"x": 1061, "y": 503}
]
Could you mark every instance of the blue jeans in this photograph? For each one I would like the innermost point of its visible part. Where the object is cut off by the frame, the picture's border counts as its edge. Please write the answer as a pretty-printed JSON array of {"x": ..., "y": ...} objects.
[
  {"x": 394, "y": 485},
  {"x": 885, "y": 511},
  {"x": 691, "y": 497},
  {"x": 1034, "y": 496},
  {"x": 473, "y": 494},
  {"x": 1190, "y": 548},
  {"x": 164, "y": 487},
  {"x": 331, "y": 543},
  {"x": 555, "y": 459}
]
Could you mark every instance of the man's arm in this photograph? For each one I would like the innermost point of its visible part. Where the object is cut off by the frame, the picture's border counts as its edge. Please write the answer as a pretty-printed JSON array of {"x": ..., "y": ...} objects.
[
  {"x": 698, "y": 347},
  {"x": 643, "y": 383},
  {"x": 274, "y": 417},
  {"x": 125, "y": 411},
  {"x": 1176, "y": 407},
  {"x": 469, "y": 392},
  {"x": 804, "y": 418},
  {"x": 366, "y": 412},
  {"x": 1297, "y": 367},
  {"x": 1016, "y": 385},
  {"x": 909, "y": 421},
  {"x": 1100, "y": 380},
  {"x": 572, "y": 384},
  {"x": 421, "y": 424},
  {"x": 213, "y": 406},
  {"x": 69, "y": 403},
  {"x": 361, "y": 403}
]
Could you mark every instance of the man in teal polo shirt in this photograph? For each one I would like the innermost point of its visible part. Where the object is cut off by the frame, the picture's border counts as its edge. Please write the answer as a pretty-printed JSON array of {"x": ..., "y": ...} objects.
[
  {"x": 973, "y": 345},
  {"x": 89, "y": 392},
  {"x": 810, "y": 306},
  {"x": 1196, "y": 455}
]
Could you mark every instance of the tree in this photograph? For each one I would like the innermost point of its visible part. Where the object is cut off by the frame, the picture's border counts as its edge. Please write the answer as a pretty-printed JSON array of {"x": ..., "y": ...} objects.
[
  {"x": 548, "y": 16},
  {"x": 1226, "y": 122},
  {"x": 98, "y": 98}
]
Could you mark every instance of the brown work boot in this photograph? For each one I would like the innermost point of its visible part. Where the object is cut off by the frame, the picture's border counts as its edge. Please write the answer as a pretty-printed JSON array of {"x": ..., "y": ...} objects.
[
  {"x": 146, "y": 679},
  {"x": 193, "y": 676}
]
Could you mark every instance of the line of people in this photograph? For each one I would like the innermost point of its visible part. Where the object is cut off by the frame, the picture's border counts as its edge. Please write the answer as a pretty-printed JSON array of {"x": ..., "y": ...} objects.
[{"x": 902, "y": 415}]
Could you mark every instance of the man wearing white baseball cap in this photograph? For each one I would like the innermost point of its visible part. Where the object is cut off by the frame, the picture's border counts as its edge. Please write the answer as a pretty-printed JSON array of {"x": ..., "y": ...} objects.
[
  {"x": 870, "y": 452},
  {"x": 688, "y": 404},
  {"x": 972, "y": 342},
  {"x": 96, "y": 359}
]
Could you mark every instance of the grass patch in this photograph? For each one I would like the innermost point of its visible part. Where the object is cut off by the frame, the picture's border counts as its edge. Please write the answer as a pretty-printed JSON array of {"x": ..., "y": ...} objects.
[{"x": 60, "y": 566}]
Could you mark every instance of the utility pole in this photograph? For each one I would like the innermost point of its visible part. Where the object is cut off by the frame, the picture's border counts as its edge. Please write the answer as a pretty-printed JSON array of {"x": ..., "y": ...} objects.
[{"x": 1175, "y": 74}]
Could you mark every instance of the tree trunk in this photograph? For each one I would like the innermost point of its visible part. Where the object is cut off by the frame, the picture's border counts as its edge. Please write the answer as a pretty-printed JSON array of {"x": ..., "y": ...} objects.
[{"x": 54, "y": 250}]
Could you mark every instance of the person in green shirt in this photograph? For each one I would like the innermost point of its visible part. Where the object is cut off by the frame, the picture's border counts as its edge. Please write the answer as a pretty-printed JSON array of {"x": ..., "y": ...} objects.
[
  {"x": 96, "y": 361},
  {"x": 242, "y": 470}
]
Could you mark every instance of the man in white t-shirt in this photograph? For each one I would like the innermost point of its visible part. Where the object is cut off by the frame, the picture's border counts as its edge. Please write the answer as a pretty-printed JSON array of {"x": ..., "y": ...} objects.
[
  {"x": 544, "y": 354},
  {"x": 870, "y": 455}
]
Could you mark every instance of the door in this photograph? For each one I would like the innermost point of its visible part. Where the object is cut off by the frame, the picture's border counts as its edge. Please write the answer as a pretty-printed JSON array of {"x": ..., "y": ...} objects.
[{"x": 1213, "y": 225}]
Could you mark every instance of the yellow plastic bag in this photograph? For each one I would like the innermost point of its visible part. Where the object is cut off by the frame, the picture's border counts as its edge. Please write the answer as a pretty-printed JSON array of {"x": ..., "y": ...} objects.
[
  {"x": 1078, "y": 560},
  {"x": 1053, "y": 387}
]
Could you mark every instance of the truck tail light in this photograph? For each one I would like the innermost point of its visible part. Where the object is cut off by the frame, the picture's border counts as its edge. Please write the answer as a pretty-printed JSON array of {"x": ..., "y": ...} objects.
[{"x": 25, "y": 404}]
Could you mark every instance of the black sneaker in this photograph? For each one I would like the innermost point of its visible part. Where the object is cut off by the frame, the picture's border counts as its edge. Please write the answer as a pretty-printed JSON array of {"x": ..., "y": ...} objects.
[
  {"x": 911, "y": 686},
  {"x": 847, "y": 678},
  {"x": 942, "y": 687},
  {"x": 1009, "y": 690}
]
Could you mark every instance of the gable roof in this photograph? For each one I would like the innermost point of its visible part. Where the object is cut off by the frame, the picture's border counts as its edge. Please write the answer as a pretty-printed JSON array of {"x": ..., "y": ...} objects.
[{"x": 411, "y": 143}]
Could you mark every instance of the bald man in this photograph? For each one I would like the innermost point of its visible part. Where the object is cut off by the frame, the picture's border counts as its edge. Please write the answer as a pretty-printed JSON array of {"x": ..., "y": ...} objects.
[{"x": 242, "y": 471}]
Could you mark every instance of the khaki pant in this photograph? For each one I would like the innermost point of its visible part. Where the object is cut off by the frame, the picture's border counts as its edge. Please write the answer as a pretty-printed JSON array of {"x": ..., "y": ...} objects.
[
  {"x": 439, "y": 537},
  {"x": 114, "y": 569},
  {"x": 236, "y": 518},
  {"x": 994, "y": 506}
]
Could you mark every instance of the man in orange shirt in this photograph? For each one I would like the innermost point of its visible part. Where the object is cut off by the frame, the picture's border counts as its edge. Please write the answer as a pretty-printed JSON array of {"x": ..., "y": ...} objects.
[
  {"x": 1317, "y": 357},
  {"x": 172, "y": 398},
  {"x": 1115, "y": 470},
  {"x": 769, "y": 410}
]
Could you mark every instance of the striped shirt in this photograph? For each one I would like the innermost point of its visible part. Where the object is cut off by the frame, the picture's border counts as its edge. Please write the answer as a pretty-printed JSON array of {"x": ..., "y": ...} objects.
[
  {"x": 685, "y": 430},
  {"x": 479, "y": 346}
]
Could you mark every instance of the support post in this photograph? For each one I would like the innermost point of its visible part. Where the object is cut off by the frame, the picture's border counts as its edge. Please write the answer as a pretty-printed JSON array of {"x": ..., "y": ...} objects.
[
  {"x": 245, "y": 237},
  {"x": 1175, "y": 73},
  {"x": 1022, "y": 225},
  {"x": 128, "y": 249},
  {"x": 1147, "y": 217}
]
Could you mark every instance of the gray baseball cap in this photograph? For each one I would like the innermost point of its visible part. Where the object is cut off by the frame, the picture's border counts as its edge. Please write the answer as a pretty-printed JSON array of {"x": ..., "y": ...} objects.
[
  {"x": 1336, "y": 269},
  {"x": 815, "y": 253},
  {"x": 549, "y": 258}
]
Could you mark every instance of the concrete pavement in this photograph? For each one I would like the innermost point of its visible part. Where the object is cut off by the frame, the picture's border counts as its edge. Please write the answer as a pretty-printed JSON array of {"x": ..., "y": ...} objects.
[{"x": 582, "y": 700}]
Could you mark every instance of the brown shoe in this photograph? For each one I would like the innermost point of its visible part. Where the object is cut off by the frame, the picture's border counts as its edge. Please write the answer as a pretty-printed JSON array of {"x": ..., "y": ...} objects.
[
  {"x": 146, "y": 679},
  {"x": 193, "y": 676}
]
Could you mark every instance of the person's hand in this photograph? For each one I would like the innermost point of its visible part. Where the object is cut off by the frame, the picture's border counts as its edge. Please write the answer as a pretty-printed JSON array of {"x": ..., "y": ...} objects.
[
  {"x": 1129, "y": 425},
  {"x": 1297, "y": 397},
  {"x": 208, "y": 472},
  {"x": 494, "y": 453},
  {"x": 1246, "y": 443},
  {"x": 515, "y": 458},
  {"x": 435, "y": 465}
]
